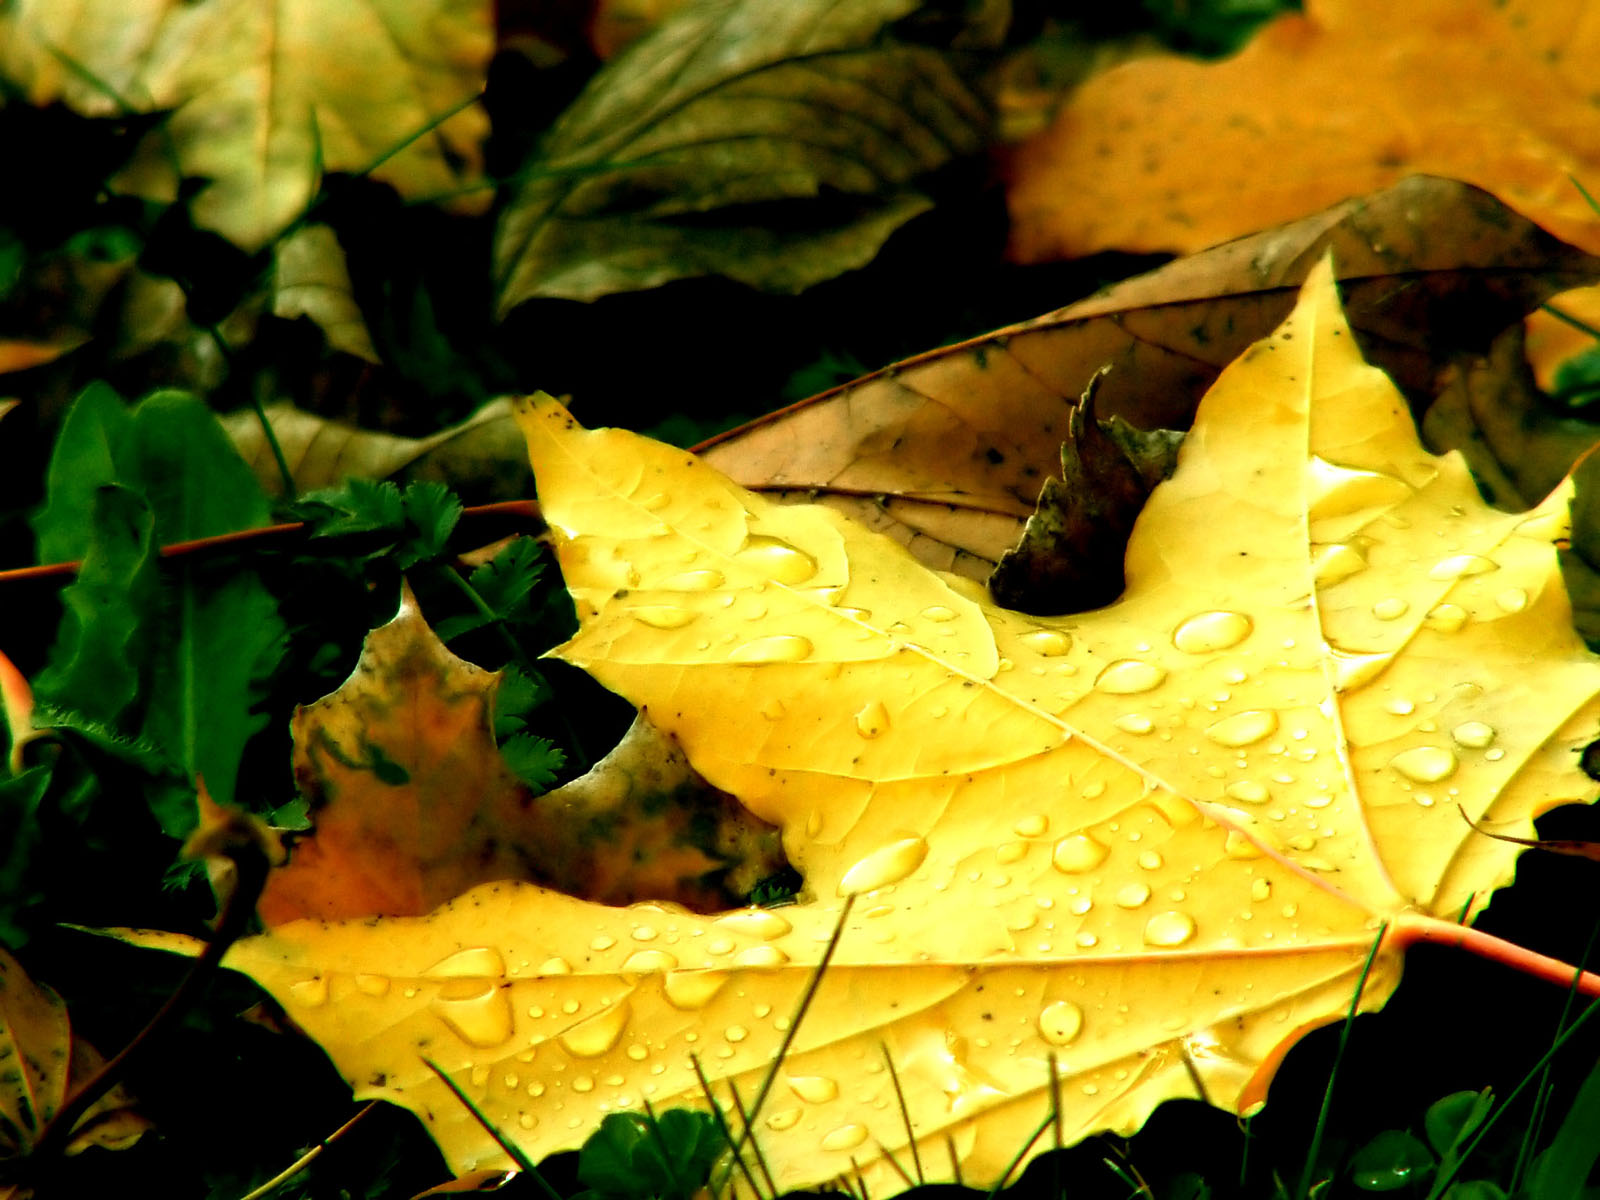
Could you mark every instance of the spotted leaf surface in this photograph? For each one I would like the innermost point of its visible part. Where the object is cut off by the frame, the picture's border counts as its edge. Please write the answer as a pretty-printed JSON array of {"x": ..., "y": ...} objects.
[{"x": 1145, "y": 846}]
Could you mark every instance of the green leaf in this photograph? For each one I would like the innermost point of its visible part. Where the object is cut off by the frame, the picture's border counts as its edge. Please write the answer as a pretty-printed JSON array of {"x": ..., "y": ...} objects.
[
  {"x": 85, "y": 459},
  {"x": 20, "y": 835},
  {"x": 536, "y": 761},
  {"x": 1392, "y": 1160},
  {"x": 515, "y": 698},
  {"x": 1450, "y": 1121},
  {"x": 95, "y": 664},
  {"x": 358, "y": 506},
  {"x": 1562, "y": 1170},
  {"x": 779, "y": 145},
  {"x": 1475, "y": 1189},
  {"x": 432, "y": 511},
  {"x": 222, "y": 639},
  {"x": 668, "y": 1156},
  {"x": 168, "y": 449}
]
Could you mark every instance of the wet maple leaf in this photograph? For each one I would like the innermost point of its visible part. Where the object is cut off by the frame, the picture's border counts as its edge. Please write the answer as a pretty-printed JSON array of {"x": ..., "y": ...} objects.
[
  {"x": 1150, "y": 846},
  {"x": 1168, "y": 153}
]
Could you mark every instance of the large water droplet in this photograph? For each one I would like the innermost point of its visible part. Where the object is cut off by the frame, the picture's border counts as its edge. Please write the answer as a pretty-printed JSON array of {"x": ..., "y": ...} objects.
[
  {"x": 1445, "y": 618},
  {"x": 1061, "y": 1023},
  {"x": 760, "y": 957},
  {"x": 813, "y": 1089},
  {"x": 1128, "y": 676},
  {"x": 1243, "y": 729},
  {"x": 478, "y": 1012},
  {"x": 692, "y": 989},
  {"x": 1474, "y": 735},
  {"x": 1134, "y": 723},
  {"x": 1425, "y": 764},
  {"x": 755, "y": 922},
  {"x": 784, "y": 1118},
  {"x": 1334, "y": 562},
  {"x": 1390, "y": 609},
  {"x": 1150, "y": 860},
  {"x": 1260, "y": 890},
  {"x": 645, "y": 962},
  {"x": 1047, "y": 643},
  {"x": 1512, "y": 600},
  {"x": 1460, "y": 566},
  {"x": 1078, "y": 852},
  {"x": 872, "y": 719},
  {"x": 938, "y": 614},
  {"x": 1249, "y": 791},
  {"x": 476, "y": 961},
  {"x": 595, "y": 1035},
  {"x": 312, "y": 993},
  {"x": 662, "y": 616},
  {"x": 885, "y": 865},
  {"x": 846, "y": 1137},
  {"x": 1032, "y": 825},
  {"x": 1132, "y": 895},
  {"x": 693, "y": 581},
  {"x": 1209, "y": 631},
  {"x": 779, "y": 648},
  {"x": 1169, "y": 929},
  {"x": 776, "y": 559},
  {"x": 373, "y": 985}
]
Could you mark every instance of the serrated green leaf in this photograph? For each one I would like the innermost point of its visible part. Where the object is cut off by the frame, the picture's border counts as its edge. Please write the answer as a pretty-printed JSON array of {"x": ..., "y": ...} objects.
[
  {"x": 95, "y": 664},
  {"x": 536, "y": 761},
  {"x": 358, "y": 506},
  {"x": 515, "y": 698},
  {"x": 779, "y": 145},
  {"x": 432, "y": 511},
  {"x": 668, "y": 1156},
  {"x": 505, "y": 582}
]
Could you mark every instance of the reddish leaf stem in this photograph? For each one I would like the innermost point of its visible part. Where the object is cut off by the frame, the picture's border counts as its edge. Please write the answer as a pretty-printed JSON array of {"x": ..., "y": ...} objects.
[
  {"x": 1412, "y": 928},
  {"x": 515, "y": 510}
]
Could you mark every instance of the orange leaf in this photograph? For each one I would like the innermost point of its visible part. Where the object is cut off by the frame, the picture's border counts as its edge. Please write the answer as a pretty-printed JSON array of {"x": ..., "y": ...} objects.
[{"x": 1172, "y": 154}]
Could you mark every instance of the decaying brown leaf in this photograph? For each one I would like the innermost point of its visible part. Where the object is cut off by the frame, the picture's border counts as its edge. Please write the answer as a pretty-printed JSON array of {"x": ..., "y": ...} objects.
[
  {"x": 41, "y": 1063},
  {"x": 946, "y": 452},
  {"x": 1070, "y": 555},
  {"x": 473, "y": 457},
  {"x": 412, "y": 804}
]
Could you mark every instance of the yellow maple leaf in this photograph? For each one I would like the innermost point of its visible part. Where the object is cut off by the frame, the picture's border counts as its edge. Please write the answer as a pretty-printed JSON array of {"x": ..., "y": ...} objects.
[{"x": 1147, "y": 847}]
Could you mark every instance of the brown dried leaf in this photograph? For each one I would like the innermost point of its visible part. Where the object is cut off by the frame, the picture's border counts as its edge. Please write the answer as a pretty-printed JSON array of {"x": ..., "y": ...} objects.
[
  {"x": 413, "y": 805},
  {"x": 946, "y": 451}
]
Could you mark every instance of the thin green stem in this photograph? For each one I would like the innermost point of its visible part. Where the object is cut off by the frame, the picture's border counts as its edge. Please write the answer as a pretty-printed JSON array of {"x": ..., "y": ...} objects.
[
  {"x": 513, "y": 1151},
  {"x": 1315, "y": 1149},
  {"x": 1577, "y": 323}
]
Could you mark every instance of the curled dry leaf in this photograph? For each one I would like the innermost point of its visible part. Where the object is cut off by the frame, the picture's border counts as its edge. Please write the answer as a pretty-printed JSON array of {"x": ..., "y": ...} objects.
[
  {"x": 412, "y": 804},
  {"x": 1070, "y": 556},
  {"x": 265, "y": 96},
  {"x": 681, "y": 152},
  {"x": 474, "y": 456},
  {"x": 1167, "y": 153},
  {"x": 41, "y": 1063},
  {"x": 946, "y": 452},
  {"x": 311, "y": 279},
  {"x": 1224, "y": 786}
]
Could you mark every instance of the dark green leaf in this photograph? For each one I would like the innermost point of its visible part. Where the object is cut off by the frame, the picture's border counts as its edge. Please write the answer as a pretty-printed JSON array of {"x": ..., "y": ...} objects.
[
  {"x": 20, "y": 833},
  {"x": 359, "y": 506},
  {"x": 88, "y": 454},
  {"x": 221, "y": 639},
  {"x": 1475, "y": 1189},
  {"x": 432, "y": 511},
  {"x": 515, "y": 698},
  {"x": 95, "y": 664},
  {"x": 779, "y": 145},
  {"x": 633, "y": 1155},
  {"x": 1450, "y": 1121},
  {"x": 1392, "y": 1160},
  {"x": 536, "y": 761},
  {"x": 1562, "y": 1170}
]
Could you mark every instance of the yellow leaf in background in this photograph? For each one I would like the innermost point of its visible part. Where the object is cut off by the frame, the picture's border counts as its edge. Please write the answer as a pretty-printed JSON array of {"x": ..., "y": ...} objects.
[
  {"x": 1168, "y": 153},
  {"x": 266, "y": 94},
  {"x": 1151, "y": 844}
]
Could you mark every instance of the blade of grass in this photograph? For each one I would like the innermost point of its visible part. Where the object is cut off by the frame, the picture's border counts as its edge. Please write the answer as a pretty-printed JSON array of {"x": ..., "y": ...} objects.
[
  {"x": 306, "y": 1159},
  {"x": 722, "y": 1123},
  {"x": 513, "y": 1151},
  {"x": 1304, "y": 1189},
  {"x": 905, "y": 1114},
  {"x": 1564, "y": 1168}
]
